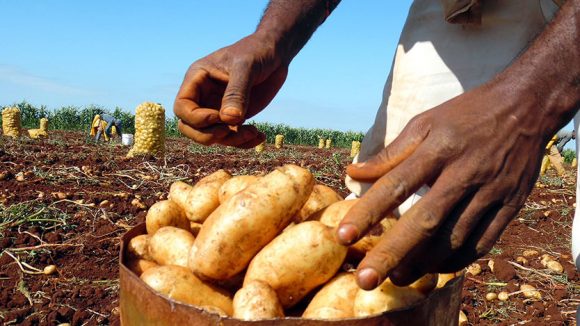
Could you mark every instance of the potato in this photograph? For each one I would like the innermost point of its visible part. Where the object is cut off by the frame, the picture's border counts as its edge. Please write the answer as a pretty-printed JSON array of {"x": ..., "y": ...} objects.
[
  {"x": 165, "y": 213},
  {"x": 442, "y": 279},
  {"x": 249, "y": 220},
  {"x": 200, "y": 200},
  {"x": 235, "y": 185},
  {"x": 170, "y": 246},
  {"x": 321, "y": 197},
  {"x": 426, "y": 283},
  {"x": 179, "y": 283},
  {"x": 194, "y": 228},
  {"x": 138, "y": 266},
  {"x": 335, "y": 300},
  {"x": 385, "y": 297},
  {"x": 138, "y": 247},
  {"x": 333, "y": 215},
  {"x": 255, "y": 301},
  {"x": 297, "y": 261}
]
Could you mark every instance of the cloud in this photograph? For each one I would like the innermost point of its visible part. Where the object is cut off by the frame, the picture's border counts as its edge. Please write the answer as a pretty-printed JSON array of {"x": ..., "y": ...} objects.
[{"x": 18, "y": 77}]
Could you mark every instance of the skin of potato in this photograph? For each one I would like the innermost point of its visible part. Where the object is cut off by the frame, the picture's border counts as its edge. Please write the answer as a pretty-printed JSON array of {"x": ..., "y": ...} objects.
[
  {"x": 138, "y": 266},
  {"x": 243, "y": 225},
  {"x": 335, "y": 300},
  {"x": 179, "y": 284},
  {"x": 320, "y": 198},
  {"x": 297, "y": 261},
  {"x": 334, "y": 213},
  {"x": 138, "y": 247},
  {"x": 444, "y": 278},
  {"x": 200, "y": 200},
  {"x": 170, "y": 246},
  {"x": 425, "y": 284},
  {"x": 256, "y": 301},
  {"x": 165, "y": 213},
  {"x": 235, "y": 185},
  {"x": 385, "y": 297}
]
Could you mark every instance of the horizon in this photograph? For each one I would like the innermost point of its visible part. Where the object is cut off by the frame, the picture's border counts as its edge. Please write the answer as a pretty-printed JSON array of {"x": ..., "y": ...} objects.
[{"x": 113, "y": 54}]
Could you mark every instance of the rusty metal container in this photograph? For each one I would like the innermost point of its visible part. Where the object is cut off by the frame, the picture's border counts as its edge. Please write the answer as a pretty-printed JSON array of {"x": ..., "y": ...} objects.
[{"x": 140, "y": 305}]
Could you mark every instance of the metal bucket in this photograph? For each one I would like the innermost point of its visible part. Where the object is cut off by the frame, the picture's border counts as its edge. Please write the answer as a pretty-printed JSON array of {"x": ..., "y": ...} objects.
[{"x": 140, "y": 305}]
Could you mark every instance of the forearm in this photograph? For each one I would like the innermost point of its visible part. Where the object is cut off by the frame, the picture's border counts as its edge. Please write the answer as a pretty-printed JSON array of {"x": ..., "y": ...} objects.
[
  {"x": 288, "y": 24},
  {"x": 548, "y": 73}
]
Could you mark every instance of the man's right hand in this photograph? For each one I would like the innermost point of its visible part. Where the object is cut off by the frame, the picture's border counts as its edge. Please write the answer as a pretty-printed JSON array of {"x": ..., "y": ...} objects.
[{"x": 227, "y": 87}]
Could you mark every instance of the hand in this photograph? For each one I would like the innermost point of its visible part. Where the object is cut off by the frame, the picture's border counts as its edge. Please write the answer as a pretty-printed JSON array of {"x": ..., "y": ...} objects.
[
  {"x": 227, "y": 87},
  {"x": 479, "y": 153}
]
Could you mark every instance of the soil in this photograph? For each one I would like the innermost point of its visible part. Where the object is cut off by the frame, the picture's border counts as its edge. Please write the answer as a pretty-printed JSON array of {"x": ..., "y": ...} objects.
[{"x": 66, "y": 201}]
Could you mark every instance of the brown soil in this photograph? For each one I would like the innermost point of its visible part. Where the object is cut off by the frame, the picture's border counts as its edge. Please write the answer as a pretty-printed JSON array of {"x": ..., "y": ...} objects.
[{"x": 66, "y": 202}]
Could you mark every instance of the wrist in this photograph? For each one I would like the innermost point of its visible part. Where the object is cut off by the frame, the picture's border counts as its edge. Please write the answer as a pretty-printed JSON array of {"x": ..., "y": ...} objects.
[
  {"x": 540, "y": 109},
  {"x": 288, "y": 25},
  {"x": 544, "y": 83}
]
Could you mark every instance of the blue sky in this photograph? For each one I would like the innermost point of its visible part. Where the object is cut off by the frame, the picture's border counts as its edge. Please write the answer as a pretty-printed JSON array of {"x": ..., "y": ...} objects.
[{"x": 121, "y": 53}]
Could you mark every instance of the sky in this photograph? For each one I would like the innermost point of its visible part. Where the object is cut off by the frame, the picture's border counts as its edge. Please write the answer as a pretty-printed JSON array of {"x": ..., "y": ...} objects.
[{"x": 121, "y": 53}]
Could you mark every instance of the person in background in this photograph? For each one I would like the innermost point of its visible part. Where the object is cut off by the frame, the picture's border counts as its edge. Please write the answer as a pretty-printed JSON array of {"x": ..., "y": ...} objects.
[
  {"x": 564, "y": 136},
  {"x": 105, "y": 125},
  {"x": 476, "y": 91}
]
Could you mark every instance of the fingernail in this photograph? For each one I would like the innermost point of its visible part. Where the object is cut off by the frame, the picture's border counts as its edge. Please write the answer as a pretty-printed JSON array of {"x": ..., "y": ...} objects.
[
  {"x": 368, "y": 279},
  {"x": 347, "y": 234},
  {"x": 232, "y": 112},
  {"x": 359, "y": 165}
]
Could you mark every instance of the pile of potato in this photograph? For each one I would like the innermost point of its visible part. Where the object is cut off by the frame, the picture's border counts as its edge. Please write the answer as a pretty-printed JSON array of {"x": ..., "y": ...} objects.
[
  {"x": 41, "y": 132},
  {"x": 149, "y": 130},
  {"x": 262, "y": 247}
]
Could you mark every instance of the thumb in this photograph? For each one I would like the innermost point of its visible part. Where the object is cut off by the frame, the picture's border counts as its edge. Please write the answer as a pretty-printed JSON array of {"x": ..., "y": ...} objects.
[
  {"x": 237, "y": 95},
  {"x": 388, "y": 158}
]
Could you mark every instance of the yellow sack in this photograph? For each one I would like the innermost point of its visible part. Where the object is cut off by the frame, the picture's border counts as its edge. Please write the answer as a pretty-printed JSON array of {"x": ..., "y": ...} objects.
[
  {"x": 149, "y": 130},
  {"x": 11, "y": 125}
]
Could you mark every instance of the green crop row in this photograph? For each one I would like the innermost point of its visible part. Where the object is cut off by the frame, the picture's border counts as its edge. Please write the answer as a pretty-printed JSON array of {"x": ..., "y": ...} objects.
[
  {"x": 304, "y": 136},
  {"x": 80, "y": 119}
]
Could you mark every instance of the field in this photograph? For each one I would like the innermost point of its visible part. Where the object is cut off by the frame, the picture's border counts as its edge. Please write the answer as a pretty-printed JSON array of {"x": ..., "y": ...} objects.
[{"x": 66, "y": 201}]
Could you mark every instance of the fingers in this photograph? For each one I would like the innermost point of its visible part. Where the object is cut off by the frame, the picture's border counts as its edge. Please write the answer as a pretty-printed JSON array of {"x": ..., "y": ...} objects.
[
  {"x": 194, "y": 116},
  {"x": 412, "y": 230},
  {"x": 432, "y": 254},
  {"x": 397, "y": 151},
  {"x": 245, "y": 137},
  {"x": 386, "y": 194},
  {"x": 237, "y": 94},
  {"x": 204, "y": 136},
  {"x": 487, "y": 233},
  {"x": 188, "y": 103}
]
